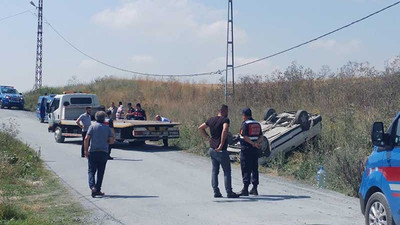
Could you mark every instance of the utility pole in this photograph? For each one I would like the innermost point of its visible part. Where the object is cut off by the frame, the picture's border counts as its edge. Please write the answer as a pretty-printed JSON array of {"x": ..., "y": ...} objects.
[
  {"x": 39, "y": 47},
  {"x": 230, "y": 55}
]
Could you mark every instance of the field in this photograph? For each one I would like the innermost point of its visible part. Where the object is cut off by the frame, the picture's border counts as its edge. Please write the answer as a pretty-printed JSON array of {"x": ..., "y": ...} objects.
[
  {"x": 29, "y": 193},
  {"x": 349, "y": 100}
]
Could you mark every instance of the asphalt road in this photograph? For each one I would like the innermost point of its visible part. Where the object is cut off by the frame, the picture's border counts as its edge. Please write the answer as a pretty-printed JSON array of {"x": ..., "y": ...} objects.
[{"x": 151, "y": 185}]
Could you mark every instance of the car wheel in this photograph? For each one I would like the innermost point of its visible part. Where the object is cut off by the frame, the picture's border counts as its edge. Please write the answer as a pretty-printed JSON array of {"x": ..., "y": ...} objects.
[
  {"x": 303, "y": 119},
  {"x": 58, "y": 135},
  {"x": 378, "y": 211},
  {"x": 268, "y": 113}
]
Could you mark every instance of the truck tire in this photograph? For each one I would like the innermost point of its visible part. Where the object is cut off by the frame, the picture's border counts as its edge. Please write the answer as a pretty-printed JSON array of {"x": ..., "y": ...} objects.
[
  {"x": 58, "y": 135},
  {"x": 303, "y": 119},
  {"x": 268, "y": 113},
  {"x": 378, "y": 202}
]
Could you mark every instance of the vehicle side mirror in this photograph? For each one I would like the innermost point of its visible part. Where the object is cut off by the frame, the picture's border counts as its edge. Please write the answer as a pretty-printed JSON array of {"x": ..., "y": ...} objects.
[
  {"x": 378, "y": 135},
  {"x": 20, "y": 93},
  {"x": 66, "y": 104}
]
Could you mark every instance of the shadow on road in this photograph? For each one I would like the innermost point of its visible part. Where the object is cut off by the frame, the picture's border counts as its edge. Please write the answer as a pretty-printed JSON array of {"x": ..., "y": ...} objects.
[
  {"x": 128, "y": 196},
  {"x": 271, "y": 198},
  {"x": 129, "y": 147}
]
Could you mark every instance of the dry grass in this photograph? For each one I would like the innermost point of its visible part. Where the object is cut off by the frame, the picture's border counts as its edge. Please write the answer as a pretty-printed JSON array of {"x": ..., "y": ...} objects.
[{"x": 349, "y": 101}]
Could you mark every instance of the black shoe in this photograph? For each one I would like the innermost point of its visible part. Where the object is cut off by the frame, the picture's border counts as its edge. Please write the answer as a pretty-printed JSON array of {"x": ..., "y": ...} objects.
[
  {"x": 253, "y": 191},
  {"x": 93, "y": 192},
  {"x": 217, "y": 195},
  {"x": 244, "y": 192},
  {"x": 232, "y": 195},
  {"x": 82, "y": 156},
  {"x": 110, "y": 158}
]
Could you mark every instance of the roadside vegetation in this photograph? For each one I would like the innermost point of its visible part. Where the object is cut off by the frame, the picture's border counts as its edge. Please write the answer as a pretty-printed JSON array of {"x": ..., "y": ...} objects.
[
  {"x": 30, "y": 194},
  {"x": 348, "y": 99}
]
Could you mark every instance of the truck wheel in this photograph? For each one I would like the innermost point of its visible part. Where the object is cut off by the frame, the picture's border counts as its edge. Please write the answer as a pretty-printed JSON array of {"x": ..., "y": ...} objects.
[
  {"x": 268, "y": 113},
  {"x": 58, "y": 135},
  {"x": 378, "y": 210},
  {"x": 303, "y": 119}
]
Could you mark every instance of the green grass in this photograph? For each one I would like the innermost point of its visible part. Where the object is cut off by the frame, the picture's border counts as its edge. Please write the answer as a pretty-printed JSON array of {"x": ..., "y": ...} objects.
[{"x": 29, "y": 193}]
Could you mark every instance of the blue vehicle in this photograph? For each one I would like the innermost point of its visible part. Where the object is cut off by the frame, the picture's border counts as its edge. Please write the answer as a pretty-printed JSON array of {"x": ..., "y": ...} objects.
[
  {"x": 43, "y": 104},
  {"x": 10, "y": 97},
  {"x": 380, "y": 188}
]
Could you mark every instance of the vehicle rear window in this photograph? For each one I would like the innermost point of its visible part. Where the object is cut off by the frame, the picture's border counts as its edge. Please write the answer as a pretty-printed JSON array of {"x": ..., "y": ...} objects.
[{"x": 81, "y": 101}]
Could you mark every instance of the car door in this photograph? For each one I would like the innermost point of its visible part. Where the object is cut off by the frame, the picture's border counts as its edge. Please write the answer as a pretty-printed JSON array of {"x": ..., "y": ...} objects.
[{"x": 391, "y": 172}]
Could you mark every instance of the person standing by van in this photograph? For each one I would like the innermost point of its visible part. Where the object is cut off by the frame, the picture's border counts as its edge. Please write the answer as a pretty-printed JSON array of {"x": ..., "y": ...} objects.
[{"x": 84, "y": 121}]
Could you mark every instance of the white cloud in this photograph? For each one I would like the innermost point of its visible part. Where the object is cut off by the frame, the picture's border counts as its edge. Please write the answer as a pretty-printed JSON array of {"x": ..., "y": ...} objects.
[
  {"x": 167, "y": 19},
  {"x": 143, "y": 59},
  {"x": 87, "y": 64},
  {"x": 340, "y": 48}
]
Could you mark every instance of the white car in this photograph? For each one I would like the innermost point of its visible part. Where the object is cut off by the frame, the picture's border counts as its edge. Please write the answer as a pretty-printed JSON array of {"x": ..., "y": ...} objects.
[{"x": 284, "y": 132}]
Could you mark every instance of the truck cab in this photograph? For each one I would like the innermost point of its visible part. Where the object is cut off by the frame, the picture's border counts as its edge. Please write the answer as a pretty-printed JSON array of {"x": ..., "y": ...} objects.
[
  {"x": 68, "y": 107},
  {"x": 380, "y": 187},
  {"x": 10, "y": 97}
]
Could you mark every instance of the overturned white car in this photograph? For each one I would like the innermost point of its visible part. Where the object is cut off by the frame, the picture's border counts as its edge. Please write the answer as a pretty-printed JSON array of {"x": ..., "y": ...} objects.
[{"x": 284, "y": 132}]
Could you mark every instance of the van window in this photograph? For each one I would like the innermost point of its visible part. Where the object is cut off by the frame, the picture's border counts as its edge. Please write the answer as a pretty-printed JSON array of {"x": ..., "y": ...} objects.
[
  {"x": 55, "y": 104},
  {"x": 81, "y": 101}
]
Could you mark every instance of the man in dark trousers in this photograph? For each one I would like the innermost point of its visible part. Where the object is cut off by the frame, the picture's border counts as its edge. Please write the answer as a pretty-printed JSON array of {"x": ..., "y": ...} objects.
[
  {"x": 219, "y": 127},
  {"x": 84, "y": 121},
  {"x": 250, "y": 140},
  {"x": 100, "y": 137}
]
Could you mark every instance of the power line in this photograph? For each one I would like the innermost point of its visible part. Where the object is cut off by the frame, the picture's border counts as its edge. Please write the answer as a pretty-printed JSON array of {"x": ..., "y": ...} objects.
[
  {"x": 123, "y": 69},
  {"x": 223, "y": 70},
  {"x": 319, "y": 37},
  {"x": 14, "y": 15}
]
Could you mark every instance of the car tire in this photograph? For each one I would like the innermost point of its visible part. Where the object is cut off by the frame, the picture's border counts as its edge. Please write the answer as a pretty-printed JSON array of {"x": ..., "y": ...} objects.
[
  {"x": 58, "y": 135},
  {"x": 303, "y": 119},
  {"x": 268, "y": 113},
  {"x": 378, "y": 201}
]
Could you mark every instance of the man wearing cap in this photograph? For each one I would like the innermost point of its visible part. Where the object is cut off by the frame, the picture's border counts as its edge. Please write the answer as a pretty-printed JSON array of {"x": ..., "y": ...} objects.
[
  {"x": 250, "y": 140},
  {"x": 219, "y": 127},
  {"x": 139, "y": 113}
]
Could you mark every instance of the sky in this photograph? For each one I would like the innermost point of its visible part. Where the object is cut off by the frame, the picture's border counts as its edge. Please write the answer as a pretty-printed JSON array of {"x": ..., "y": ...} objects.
[{"x": 189, "y": 36}]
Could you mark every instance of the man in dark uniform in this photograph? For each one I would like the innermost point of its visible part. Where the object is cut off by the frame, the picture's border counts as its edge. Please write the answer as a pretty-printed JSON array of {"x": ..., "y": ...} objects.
[
  {"x": 139, "y": 113},
  {"x": 130, "y": 113},
  {"x": 219, "y": 127},
  {"x": 250, "y": 140}
]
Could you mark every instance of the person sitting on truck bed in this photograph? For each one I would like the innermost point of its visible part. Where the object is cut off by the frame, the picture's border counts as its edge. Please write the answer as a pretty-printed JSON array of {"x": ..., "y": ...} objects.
[
  {"x": 100, "y": 137},
  {"x": 130, "y": 113},
  {"x": 139, "y": 113},
  {"x": 84, "y": 121},
  {"x": 162, "y": 119},
  {"x": 120, "y": 112}
]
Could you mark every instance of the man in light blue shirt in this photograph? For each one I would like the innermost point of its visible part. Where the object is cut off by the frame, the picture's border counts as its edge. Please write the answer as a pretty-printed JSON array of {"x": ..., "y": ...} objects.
[
  {"x": 84, "y": 121},
  {"x": 162, "y": 119}
]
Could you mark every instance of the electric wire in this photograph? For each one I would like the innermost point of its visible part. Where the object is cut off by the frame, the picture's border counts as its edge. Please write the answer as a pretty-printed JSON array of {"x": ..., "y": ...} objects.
[
  {"x": 14, "y": 15},
  {"x": 219, "y": 72}
]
